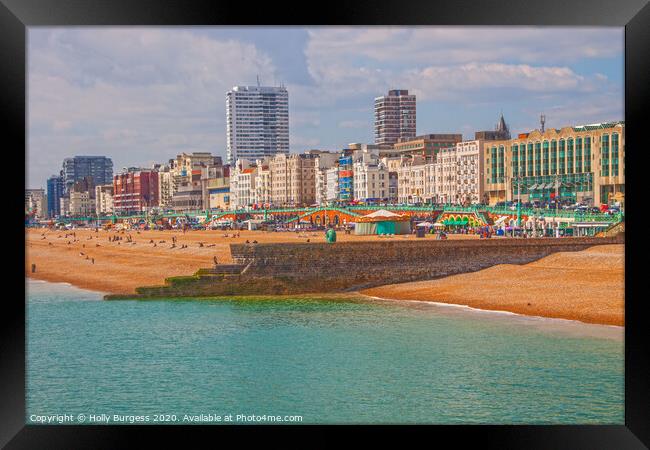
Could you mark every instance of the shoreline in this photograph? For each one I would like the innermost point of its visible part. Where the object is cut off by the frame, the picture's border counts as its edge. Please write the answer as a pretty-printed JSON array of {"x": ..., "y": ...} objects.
[
  {"x": 468, "y": 308},
  {"x": 586, "y": 286},
  {"x": 358, "y": 296}
]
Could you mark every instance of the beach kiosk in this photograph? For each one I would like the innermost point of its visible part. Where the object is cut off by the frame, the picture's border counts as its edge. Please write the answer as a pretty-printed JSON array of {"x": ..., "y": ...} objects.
[{"x": 382, "y": 222}]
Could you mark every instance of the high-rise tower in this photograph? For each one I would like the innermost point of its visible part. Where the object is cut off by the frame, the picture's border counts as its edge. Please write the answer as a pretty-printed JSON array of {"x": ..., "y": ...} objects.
[
  {"x": 257, "y": 122},
  {"x": 394, "y": 117}
]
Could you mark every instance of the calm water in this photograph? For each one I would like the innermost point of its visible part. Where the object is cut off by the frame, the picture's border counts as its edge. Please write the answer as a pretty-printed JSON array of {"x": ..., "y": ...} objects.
[{"x": 329, "y": 362}]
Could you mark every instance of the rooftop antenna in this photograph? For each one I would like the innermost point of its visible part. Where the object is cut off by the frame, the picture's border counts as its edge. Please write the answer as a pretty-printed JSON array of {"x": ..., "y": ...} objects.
[{"x": 542, "y": 121}]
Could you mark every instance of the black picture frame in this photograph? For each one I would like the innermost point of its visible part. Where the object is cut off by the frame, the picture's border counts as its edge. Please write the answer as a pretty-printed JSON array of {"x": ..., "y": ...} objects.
[{"x": 634, "y": 15}]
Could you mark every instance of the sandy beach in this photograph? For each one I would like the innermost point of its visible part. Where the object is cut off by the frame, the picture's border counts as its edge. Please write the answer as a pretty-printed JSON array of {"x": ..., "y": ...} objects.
[
  {"x": 587, "y": 286},
  {"x": 121, "y": 266}
]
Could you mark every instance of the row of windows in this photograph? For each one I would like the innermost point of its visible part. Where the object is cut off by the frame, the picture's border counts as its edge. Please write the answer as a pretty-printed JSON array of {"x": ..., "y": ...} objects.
[{"x": 563, "y": 156}]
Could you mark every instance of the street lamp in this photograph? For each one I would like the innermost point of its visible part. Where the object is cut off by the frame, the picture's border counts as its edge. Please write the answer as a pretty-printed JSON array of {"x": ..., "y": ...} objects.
[
  {"x": 556, "y": 179},
  {"x": 519, "y": 179}
]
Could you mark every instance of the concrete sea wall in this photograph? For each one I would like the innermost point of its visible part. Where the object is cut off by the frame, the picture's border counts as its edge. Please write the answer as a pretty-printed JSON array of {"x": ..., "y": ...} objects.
[{"x": 314, "y": 267}]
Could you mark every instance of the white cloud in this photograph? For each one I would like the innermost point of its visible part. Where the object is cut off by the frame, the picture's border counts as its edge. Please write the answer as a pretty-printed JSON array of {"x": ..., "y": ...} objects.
[
  {"x": 458, "y": 45},
  {"x": 434, "y": 61},
  {"x": 134, "y": 94}
]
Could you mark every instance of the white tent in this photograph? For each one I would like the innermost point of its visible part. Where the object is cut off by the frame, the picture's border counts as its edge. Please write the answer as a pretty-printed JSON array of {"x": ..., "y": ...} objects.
[
  {"x": 424, "y": 224},
  {"x": 382, "y": 213}
]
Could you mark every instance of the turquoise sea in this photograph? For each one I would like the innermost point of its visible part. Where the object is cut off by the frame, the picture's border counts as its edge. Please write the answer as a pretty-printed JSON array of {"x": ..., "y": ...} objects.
[{"x": 326, "y": 361}]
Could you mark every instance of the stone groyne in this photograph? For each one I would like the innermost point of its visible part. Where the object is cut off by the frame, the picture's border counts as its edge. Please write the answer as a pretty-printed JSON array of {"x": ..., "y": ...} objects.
[{"x": 282, "y": 269}]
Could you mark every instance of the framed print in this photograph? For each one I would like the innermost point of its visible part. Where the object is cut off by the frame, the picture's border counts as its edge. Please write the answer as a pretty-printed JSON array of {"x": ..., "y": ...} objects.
[{"x": 381, "y": 214}]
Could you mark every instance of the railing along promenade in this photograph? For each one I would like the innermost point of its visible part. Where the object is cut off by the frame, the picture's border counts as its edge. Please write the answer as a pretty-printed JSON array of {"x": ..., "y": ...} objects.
[{"x": 354, "y": 210}]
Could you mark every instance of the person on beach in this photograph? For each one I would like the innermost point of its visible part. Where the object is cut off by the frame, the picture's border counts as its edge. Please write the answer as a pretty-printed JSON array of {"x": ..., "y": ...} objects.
[{"x": 216, "y": 263}]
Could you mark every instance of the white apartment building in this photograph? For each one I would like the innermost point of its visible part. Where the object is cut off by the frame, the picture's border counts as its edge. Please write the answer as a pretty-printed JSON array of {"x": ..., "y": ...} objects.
[
  {"x": 242, "y": 184},
  {"x": 459, "y": 174},
  {"x": 257, "y": 122},
  {"x": 325, "y": 162},
  {"x": 446, "y": 172},
  {"x": 293, "y": 179},
  {"x": 262, "y": 182},
  {"x": 413, "y": 178},
  {"x": 331, "y": 184},
  {"x": 104, "y": 199},
  {"x": 371, "y": 180},
  {"x": 470, "y": 176}
]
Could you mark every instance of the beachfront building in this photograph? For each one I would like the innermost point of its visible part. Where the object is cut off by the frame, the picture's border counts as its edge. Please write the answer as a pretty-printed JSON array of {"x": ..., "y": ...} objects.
[
  {"x": 325, "y": 163},
  {"x": 179, "y": 172},
  {"x": 427, "y": 145},
  {"x": 346, "y": 179},
  {"x": 293, "y": 179},
  {"x": 100, "y": 168},
  {"x": 469, "y": 176},
  {"x": 188, "y": 197},
  {"x": 55, "y": 190},
  {"x": 185, "y": 163},
  {"x": 395, "y": 116},
  {"x": 35, "y": 202},
  {"x": 412, "y": 178},
  {"x": 81, "y": 203},
  {"x": 579, "y": 163},
  {"x": 331, "y": 190},
  {"x": 135, "y": 190},
  {"x": 262, "y": 195},
  {"x": 242, "y": 184},
  {"x": 458, "y": 174},
  {"x": 357, "y": 153},
  {"x": 257, "y": 122},
  {"x": 446, "y": 176},
  {"x": 64, "y": 206},
  {"x": 167, "y": 185},
  {"x": 215, "y": 186},
  {"x": 104, "y": 199},
  {"x": 371, "y": 179},
  {"x": 189, "y": 191},
  {"x": 246, "y": 187}
]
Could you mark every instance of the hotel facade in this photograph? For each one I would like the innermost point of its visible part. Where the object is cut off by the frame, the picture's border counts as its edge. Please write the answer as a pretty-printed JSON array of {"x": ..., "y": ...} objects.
[
  {"x": 135, "y": 190},
  {"x": 576, "y": 163}
]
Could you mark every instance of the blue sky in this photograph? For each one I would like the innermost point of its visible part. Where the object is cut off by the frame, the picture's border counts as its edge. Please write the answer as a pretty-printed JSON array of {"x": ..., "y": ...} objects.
[{"x": 144, "y": 94}]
